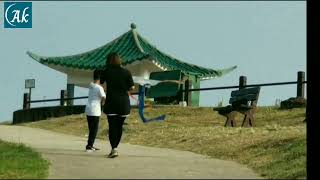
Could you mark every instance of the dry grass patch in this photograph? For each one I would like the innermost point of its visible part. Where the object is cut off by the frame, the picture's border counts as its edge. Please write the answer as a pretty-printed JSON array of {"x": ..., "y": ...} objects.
[{"x": 275, "y": 148}]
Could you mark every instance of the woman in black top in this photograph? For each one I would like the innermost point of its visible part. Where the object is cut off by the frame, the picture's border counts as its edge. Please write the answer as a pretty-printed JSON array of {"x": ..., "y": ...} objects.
[{"x": 117, "y": 106}]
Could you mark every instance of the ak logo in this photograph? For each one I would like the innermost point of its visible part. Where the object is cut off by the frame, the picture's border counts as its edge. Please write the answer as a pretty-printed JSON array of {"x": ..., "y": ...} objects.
[{"x": 17, "y": 14}]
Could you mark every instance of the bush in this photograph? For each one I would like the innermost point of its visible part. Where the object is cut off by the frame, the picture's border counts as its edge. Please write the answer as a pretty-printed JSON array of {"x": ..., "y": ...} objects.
[{"x": 293, "y": 103}]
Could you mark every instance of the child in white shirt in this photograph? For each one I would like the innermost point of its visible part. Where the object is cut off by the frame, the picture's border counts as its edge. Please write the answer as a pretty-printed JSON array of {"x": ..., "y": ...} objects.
[{"x": 93, "y": 110}]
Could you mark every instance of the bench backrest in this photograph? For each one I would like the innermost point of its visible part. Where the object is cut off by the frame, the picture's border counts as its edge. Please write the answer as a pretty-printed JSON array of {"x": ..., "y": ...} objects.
[{"x": 243, "y": 96}]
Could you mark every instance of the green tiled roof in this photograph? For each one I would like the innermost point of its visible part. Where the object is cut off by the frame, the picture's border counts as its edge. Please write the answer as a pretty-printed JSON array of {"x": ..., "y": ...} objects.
[{"x": 131, "y": 47}]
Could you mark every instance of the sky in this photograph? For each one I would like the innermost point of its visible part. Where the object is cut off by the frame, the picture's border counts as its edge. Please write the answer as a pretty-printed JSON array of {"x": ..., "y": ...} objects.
[{"x": 266, "y": 40}]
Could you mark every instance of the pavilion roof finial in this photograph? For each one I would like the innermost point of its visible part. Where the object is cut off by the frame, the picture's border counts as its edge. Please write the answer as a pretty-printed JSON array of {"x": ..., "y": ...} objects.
[{"x": 133, "y": 26}]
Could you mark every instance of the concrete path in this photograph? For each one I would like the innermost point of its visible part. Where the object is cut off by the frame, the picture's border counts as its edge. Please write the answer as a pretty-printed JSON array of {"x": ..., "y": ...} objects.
[{"x": 69, "y": 161}]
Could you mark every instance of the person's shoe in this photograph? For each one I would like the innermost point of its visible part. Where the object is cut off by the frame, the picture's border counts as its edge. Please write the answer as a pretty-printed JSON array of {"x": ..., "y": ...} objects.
[
  {"x": 89, "y": 149},
  {"x": 114, "y": 153},
  {"x": 95, "y": 148},
  {"x": 108, "y": 155}
]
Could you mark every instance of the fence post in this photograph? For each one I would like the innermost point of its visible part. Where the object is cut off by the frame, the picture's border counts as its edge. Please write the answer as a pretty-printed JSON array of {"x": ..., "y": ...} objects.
[
  {"x": 183, "y": 92},
  {"x": 70, "y": 94},
  {"x": 242, "y": 82},
  {"x": 63, "y": 94},
  {"x": 188, "y": 98},
  {"x": 300, "y": 85},
  {"x": 26, "y": 103}
]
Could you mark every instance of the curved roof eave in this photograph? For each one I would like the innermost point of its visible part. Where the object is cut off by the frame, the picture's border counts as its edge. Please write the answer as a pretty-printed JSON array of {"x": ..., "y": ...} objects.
[{"x": 134, "y": 48}]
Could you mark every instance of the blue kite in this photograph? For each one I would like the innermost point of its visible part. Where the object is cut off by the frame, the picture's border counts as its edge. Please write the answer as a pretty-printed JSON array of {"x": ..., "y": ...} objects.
[{"x": 143, "y": 83}]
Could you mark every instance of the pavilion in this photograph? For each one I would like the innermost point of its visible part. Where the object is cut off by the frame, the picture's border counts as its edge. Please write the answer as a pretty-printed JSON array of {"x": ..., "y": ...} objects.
[{"x": 140, "y": 57}]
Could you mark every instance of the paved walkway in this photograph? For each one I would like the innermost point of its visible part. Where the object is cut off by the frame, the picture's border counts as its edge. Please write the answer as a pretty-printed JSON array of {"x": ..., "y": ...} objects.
[{"x": 68, "y": 159}]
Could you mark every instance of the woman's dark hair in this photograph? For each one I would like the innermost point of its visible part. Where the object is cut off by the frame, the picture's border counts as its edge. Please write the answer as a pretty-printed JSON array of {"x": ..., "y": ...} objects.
[
  {"x": 114, "y": 59},
  {"x": 96, "y": 74}
]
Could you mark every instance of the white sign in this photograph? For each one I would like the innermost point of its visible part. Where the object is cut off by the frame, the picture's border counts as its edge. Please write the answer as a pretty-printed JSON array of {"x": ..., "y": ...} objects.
[{"x": 30, "y": 83}]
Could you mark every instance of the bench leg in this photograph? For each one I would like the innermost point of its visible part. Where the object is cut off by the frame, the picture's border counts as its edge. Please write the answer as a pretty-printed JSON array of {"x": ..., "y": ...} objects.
[
  {"x": 231, "y": 121},
  {"x": 248, "y": 120}
]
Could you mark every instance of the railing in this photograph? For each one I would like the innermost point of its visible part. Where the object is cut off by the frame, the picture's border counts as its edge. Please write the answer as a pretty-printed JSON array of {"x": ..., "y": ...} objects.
[
  {"x": 242, "y": 84},
  {"x": 63, "y": 99}
]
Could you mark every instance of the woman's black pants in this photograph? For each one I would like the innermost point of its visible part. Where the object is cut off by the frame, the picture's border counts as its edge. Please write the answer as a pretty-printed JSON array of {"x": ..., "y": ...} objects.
[{"x": 115, "y": 129}]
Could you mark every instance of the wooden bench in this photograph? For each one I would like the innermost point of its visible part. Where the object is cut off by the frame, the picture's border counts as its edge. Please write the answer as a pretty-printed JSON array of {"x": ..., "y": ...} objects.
[{"x": 243, "y": 101}]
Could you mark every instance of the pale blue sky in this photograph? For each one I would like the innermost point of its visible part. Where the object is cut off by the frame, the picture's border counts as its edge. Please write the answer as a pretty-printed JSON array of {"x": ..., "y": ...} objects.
[{"x": 266, "y": 40}]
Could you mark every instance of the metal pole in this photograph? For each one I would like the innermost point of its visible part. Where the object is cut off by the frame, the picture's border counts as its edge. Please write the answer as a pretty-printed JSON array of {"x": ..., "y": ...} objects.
[
  {"x": 29, "y": 94},
  {"x": 26, "y": 102}
]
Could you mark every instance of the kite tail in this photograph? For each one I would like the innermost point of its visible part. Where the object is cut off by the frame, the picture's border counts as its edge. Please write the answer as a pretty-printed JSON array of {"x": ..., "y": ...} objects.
[{"x": 141, "y": 107}]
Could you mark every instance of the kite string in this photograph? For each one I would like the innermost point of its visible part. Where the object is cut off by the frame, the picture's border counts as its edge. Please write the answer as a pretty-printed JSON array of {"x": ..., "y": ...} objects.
[{"x": 137, "y": 101}]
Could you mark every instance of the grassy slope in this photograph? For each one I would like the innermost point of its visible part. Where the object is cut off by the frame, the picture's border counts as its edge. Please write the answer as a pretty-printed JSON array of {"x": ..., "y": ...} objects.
[
  {"x": 20, "y": 162},
  {"x": 275, "y": 148}
]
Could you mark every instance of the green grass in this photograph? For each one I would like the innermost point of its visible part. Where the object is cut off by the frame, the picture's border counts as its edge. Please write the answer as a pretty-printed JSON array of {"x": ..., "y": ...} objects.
[
  {"x": 274, "y": 148},
  {"x": 20, "y": 162}
]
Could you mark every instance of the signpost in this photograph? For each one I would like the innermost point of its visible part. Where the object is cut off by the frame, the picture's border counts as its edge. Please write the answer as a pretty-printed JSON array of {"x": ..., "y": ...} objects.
[{"x": 29, "y": 84}]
